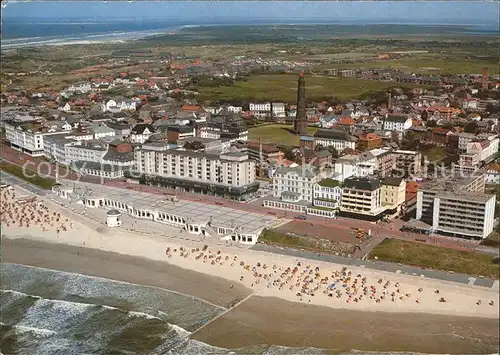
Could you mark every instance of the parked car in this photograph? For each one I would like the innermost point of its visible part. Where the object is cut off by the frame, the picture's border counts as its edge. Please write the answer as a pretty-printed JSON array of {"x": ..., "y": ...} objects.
[{"x": 301, "y": 217}]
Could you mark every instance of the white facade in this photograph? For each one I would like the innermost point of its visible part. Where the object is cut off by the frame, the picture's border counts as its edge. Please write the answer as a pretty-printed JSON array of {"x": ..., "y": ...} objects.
[
  {"x": 81, "y": 88},
  {"x": 235, "y": 109},
  {"x": 118, "y": 106},
  {"x": 338, "y": 144},
  {"x": 260, "y": 109},
  {"x": 355, "y": 165},
  {"x": 27, "y": 140},
  {"x": 279, "y": 110},
  {"x": 141, "y": 138},
  {"x": 210, "y": 132},
  {"x": 460, "y": 214},
  {"x": 227, "y": 169},
  {"x": 325, "y": 196},
  {"x": 294, "y": 184},
  {"x": 399, "y": 125},
  {"x": 492, "y": 176}
]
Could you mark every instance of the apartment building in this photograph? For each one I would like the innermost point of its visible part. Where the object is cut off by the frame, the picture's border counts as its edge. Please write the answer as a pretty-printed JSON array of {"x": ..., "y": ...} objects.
[
  {"x": 28, "y": 137},
  {"x": 362, "y": 198},
  {"x": 230, "y": 175},
  {"x": 458, "y": 208},
  {"x": 337, "y": 138},
  {"x": 385, "y": 161},
  {"x": 408, "y": 162},
  {"x": 393, "y": 192}
]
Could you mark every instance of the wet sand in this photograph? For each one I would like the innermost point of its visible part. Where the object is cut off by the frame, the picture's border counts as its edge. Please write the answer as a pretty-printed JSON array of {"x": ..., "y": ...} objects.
[
  {"x": 271, "y": 320},
  {"x": 93, "y": 262},
  {"x": 266, "y": 320}
]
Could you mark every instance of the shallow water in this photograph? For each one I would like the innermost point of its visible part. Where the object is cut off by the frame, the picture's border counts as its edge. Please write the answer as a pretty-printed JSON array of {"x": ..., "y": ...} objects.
[{"x": 52, "y": 312}]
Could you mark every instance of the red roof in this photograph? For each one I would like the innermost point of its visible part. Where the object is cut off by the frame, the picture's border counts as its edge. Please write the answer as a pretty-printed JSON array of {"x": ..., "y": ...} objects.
[
  {"x": 190, "y": 108},
  {"x": 346, "y": 121},
  {"x": 440, "y": 130},
  {"x": 369, "y": 137}
]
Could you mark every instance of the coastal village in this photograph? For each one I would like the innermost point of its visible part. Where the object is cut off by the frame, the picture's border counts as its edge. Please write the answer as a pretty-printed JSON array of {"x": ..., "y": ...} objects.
[{"x": 407, "y": 161}]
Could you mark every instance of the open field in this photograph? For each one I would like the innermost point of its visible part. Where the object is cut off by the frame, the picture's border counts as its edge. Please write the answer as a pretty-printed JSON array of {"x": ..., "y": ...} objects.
[
  {"x": 433, "y": 257},
  {"x": 276, "y": 133},
  {"x": 283, "y": 87},
  {"x": 434, "y": 154},
  {"x": 305, "y": 243},
  {"x": 15, "y": 170}
]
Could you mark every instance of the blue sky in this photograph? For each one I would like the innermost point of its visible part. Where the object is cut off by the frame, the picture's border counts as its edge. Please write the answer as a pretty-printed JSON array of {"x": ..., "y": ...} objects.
[{"x": 407, "y": 11}]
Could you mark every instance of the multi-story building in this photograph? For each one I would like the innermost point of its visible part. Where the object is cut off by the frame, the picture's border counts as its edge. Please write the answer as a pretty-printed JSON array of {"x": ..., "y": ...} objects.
[
  {"x": 327, "y": 193},
  {"x": 28, "y": 137},
  {"x": 477, "y": 154},
  {"x": 408, "y": 162},
  {"x": 397, "y": 123},
  {"x": 230, "y": 175},
  {"x": 385, "y": 161},
  {"x": 393, "y": 194},
  {"x": 369, "y": 141},
  {"x": 337, "y": 138},
  {"x": 458, "y": 208},
  {"x": 492, "y": 175},
  {"x": 260, "y": 110},
  {"x": 362, "y": 198},
  {"x": 293, "y": 190},
  {"x": 264, "y": 152},
  {"x": 355, "y": 165}
]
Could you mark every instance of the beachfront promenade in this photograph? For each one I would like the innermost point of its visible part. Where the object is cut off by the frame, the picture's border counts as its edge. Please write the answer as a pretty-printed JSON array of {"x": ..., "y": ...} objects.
[{"x": 97, "y": 216}]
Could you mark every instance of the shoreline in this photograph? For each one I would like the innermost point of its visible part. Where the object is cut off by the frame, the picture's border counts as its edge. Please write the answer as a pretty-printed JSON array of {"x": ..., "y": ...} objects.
[
  {"x": 410, "y": 294},
  {"x": 267, "y": 320}
]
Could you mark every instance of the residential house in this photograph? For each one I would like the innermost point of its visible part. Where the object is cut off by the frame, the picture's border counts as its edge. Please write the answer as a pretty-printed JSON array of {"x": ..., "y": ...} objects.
[
  {"x": 397, "y": 123},
  {"x": 174, "y": 133},
  {"x": 438, "y": 136},
  {"x": 141, "y": 133},
  {"x": 328, "y": 121},
  {"x": 492, "y": 175}
]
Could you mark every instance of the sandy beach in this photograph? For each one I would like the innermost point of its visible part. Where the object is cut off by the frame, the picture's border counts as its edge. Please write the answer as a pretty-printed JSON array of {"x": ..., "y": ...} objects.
[
  {"x": 281, "y": 286},
  {"x": 266, "y": 274}
]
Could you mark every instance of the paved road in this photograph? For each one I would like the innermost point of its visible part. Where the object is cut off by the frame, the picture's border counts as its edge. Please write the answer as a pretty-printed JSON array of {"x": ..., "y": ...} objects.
[
  {"x": 380, "y": 265},
  {"x": 380, "y": 230},
  {"x": 13, "y": 180}
]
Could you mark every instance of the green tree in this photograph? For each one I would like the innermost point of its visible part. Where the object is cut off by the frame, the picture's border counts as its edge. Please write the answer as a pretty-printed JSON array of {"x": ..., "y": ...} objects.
[{"x": 471, "y": 127}]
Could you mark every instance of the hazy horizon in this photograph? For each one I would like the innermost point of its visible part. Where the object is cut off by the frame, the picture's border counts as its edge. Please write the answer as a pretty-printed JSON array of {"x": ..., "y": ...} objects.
[{"x": 329, "y": 12}]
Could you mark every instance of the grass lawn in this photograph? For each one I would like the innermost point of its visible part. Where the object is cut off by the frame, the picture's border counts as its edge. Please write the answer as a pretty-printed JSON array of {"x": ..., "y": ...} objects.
[
  {"x": 422, "y": 65},
  {"x": 276, "y": 133},
  {"x": 283, "y": 87},
  {"x": 434, "y": 257},
  {"x": 15, "y": 170},
  {"x": 434, "y": 154}
]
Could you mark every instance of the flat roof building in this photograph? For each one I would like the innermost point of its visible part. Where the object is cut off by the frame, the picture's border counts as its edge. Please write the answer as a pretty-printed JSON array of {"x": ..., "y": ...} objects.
[
  {"x": 458, "y": 208},
  {"x": 195, "y": 217}
]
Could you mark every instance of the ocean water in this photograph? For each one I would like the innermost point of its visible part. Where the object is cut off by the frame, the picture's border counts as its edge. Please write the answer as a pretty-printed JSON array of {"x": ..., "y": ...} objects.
[{"x": 47, "y": 312}]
